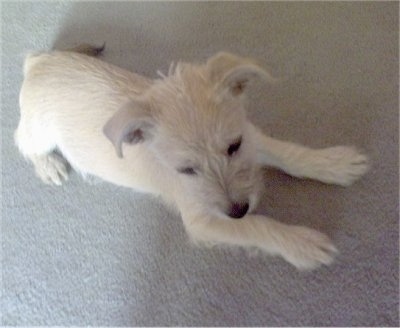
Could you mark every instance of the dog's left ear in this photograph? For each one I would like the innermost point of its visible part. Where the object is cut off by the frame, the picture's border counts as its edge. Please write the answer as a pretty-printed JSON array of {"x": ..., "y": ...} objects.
[
  {"x": 233, "y": 73},
  {"x": 131, "y": 124}
]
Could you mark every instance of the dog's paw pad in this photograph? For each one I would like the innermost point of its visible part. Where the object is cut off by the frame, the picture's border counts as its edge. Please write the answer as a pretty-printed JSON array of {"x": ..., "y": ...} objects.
[
  {"x": 52, "y": 169},
  {"x": 307, "y": 249},
  {"x": 341, "y": 165}
]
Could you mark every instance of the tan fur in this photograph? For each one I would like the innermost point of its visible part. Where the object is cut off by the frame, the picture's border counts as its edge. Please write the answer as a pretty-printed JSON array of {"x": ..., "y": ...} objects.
[{"x": 171, "y": 137}]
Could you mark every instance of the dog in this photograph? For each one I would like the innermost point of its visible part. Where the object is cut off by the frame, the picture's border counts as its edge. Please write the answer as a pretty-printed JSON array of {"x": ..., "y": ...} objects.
[{"x": 183, "y": 136}]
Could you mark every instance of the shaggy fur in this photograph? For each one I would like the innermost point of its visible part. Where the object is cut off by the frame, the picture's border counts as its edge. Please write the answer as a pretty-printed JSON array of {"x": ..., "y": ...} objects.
[{"x": 184, "y": 136}]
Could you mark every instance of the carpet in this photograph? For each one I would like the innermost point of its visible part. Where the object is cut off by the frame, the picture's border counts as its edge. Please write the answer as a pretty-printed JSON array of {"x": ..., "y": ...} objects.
[{"x": 93, "y": 254}]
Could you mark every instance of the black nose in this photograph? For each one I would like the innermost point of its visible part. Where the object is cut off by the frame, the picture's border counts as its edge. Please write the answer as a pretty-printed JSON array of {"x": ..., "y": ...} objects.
[{"x": 238, "y": 210}]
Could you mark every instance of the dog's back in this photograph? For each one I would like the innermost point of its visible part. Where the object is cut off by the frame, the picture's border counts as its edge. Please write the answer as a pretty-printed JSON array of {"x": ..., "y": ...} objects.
[{"x": 65, "y": 100}]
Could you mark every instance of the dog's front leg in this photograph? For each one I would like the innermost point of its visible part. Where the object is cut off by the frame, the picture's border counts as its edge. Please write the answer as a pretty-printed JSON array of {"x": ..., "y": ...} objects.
[
  {"x": 303, "y": 247},
  {"x": 337, "y": 165}
]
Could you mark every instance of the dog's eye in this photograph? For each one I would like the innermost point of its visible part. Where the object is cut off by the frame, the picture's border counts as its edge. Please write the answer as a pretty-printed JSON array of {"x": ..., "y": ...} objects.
[
  {"x": 233, "y": 148},
  {"x": 187, "y": 171}
]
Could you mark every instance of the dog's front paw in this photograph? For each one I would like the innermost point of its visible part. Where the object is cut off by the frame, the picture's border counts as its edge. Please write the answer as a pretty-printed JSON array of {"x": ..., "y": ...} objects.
[
  {"x": 307, "y": 249},
  {"x": 339, "y": 165}
]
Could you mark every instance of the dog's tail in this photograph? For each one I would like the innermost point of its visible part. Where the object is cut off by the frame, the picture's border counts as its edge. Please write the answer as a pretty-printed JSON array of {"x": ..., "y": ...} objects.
[{"x": 88, "y": 49}]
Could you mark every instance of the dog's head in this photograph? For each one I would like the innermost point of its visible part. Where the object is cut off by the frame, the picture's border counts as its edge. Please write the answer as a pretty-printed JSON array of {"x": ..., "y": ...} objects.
[{"x": 194, "y": 122}]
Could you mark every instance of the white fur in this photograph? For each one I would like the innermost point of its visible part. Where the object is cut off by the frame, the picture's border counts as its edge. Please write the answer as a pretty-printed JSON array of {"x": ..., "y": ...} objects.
[{"x": 139, "y": 133}]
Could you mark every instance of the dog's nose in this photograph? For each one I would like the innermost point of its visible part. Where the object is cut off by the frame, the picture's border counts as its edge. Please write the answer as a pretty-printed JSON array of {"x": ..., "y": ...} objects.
[{"x": 238, "y": 210}]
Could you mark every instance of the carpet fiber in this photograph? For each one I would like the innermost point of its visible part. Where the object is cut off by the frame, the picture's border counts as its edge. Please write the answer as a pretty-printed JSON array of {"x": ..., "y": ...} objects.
[{"x": 90, "y": 253}]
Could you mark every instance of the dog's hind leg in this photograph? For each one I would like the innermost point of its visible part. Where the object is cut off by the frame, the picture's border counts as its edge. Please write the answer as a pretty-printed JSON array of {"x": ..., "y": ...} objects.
[
  {"x": 303, "y": 247},
  {"x": 52, "y": 168},
  {"x": 37, "y": 144},
  {"x": 340, "y": 165}
]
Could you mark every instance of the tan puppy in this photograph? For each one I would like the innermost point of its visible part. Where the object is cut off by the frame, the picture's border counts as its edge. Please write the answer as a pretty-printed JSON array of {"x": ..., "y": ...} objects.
[{"x": 184, "y": 137}]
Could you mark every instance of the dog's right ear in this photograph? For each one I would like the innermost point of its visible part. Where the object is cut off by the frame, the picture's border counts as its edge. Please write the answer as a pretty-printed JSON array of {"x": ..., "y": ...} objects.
[
  {"x": 131, "y": 124},
  {"x": 231, "y": 74}
]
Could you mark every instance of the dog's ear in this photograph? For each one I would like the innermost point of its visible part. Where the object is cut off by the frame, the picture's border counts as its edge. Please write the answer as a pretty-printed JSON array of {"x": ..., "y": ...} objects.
[
  {"x": 130, "y": 124},
  {"x": 233, "y": 73}
]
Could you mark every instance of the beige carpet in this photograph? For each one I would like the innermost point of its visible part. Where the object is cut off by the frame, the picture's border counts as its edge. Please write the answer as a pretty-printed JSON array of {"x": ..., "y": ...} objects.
[{"x": 95, "y": 254}]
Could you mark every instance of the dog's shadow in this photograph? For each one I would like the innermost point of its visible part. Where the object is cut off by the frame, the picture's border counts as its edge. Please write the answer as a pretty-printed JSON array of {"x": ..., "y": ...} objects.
[
  {"x": 136, "y": 44},
  {"x": 301, "y": 202}
]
